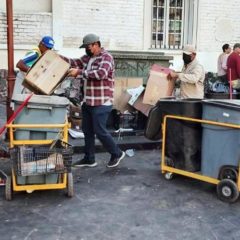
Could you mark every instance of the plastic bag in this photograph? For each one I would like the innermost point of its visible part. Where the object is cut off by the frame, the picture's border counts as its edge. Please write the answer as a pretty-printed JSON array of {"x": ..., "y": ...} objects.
[{"x": 219, "y": 87}]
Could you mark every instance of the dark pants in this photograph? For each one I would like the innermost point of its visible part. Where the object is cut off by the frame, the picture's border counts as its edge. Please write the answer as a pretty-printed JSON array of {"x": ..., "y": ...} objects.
[{"x": 94, "y": 121}]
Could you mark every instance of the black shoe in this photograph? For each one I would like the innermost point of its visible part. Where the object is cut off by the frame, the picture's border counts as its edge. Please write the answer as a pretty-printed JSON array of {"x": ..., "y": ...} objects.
[
  {"x": 85, "y": 163},
  {"x": 115, "y": 161}
]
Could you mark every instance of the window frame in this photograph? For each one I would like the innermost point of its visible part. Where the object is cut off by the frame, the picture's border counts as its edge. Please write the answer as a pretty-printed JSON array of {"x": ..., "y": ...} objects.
[{"x": 188, "y": 28}]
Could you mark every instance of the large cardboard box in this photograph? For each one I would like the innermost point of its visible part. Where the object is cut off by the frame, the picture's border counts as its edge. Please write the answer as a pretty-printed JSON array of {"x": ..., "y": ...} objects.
[
  {"x": 158, "y": 85},
  {"x": 46, "y": 73},
  {"x": 121, "y": 98}
]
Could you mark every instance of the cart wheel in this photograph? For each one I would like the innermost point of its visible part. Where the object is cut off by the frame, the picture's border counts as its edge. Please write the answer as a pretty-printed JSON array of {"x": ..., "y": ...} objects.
[
  {"x": 29, "y": 191},
  {"x": 8, "y": 189},
  {"x": 168, "y": 175},
  {"x": 70, "y": 191},
  {"x": 227, "y": 190},
  {"x": 228, "y": 173}
]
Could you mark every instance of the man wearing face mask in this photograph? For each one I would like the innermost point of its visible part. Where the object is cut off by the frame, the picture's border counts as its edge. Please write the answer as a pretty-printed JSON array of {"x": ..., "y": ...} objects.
[
  {"x": 192, "y": 76},
  {"x": 96, "y": 71}
]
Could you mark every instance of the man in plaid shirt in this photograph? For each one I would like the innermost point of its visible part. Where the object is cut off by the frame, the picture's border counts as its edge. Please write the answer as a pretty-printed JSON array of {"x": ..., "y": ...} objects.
[{"x": 96, "y": 72}]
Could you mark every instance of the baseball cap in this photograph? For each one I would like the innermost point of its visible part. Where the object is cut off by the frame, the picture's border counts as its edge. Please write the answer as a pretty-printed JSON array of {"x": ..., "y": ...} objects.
[
  {"x": 48, "y": 42},
  {"x": 88, "y": 39},
  {"x": 189, "y": 49}
]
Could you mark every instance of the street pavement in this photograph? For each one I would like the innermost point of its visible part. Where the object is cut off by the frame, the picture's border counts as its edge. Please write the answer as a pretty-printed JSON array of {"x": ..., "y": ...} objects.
[{"x": 132, "y": 201}]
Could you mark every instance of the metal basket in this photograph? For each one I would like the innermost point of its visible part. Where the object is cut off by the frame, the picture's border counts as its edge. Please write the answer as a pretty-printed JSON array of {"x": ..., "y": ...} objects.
[{"x": 38, "y": 160}]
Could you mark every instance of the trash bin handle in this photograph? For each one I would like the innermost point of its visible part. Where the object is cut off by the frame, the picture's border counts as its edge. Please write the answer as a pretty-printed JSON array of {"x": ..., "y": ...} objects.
[{"x": 31, "y": 106}]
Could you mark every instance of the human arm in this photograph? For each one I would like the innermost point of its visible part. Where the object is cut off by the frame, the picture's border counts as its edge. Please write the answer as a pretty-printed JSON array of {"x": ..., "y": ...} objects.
[
  {"x": 172, "y": 76},
  {"x": 102, "y": 70},
  {"x": 22, "y": 66},
  {"x": 224, "y": 62},
  {"x": 193, "y": 76},
  {"x": 74, "y": 62},
  {"x": 76, "y": 65},
  {"x": 25, "y": 63},
  {"x": 238, "y": 66}
]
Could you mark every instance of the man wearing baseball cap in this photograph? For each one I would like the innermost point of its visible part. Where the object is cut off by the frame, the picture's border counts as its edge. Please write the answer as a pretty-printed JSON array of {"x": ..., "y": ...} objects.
[
  {"x": 32, "y": 56},
  {"x": 96, "y": 72},
  {"x": 192, "y": 75},
  {"x": 29, "y": 59}
]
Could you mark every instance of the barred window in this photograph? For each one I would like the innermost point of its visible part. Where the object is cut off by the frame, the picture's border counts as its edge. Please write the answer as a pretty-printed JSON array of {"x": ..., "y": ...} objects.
[{"x": 172, "y": 23}]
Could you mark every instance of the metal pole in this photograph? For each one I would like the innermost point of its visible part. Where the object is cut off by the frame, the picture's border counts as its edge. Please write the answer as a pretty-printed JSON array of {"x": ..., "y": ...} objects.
[{"x": 10, "y": 47}]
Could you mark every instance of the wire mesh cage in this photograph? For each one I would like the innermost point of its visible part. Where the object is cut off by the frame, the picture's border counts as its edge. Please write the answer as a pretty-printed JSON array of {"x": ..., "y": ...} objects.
[
  {"x": 38, "y": 160},
  {"x": 128, "y": 120}
]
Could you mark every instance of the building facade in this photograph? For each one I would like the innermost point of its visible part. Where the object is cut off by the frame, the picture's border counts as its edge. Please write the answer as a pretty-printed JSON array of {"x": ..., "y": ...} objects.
[{"x": 138, "y": 25}]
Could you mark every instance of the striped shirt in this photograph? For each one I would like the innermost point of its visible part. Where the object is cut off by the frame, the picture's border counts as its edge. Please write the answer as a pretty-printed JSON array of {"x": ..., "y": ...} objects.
[
  {"x": 31, "y": 57},
  {"x": 96, "y": 76}
]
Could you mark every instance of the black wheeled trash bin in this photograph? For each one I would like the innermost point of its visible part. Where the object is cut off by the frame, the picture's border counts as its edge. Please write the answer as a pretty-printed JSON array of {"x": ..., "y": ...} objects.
[{"x": 183, "y": 138}]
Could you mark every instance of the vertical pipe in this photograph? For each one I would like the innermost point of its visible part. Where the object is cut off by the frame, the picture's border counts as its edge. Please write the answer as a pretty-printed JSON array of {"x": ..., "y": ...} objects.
[{"x": 11, "y": 74}]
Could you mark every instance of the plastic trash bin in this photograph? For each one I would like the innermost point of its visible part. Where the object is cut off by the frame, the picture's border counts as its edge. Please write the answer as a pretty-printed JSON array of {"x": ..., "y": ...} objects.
[
  {"x": 220, "y": 145},
  {"x": 222, "y": 95},
  {"x": 41, "y": 109},
  {"x": 183, "y": 139}
]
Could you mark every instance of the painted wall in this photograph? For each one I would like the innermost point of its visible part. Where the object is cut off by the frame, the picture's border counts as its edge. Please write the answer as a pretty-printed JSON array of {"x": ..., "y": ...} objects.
[{"x": 121, "y": 25}]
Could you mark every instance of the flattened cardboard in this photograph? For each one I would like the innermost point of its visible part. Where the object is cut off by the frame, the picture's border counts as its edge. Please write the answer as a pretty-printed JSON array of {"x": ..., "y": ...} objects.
[
  {"x": 121, "y": 85},
  {"x": 142, "y": 107}
]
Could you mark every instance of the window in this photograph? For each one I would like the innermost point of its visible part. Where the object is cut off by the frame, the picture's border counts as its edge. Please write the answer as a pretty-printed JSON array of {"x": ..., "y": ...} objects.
[{"x": 169, "y": 28}]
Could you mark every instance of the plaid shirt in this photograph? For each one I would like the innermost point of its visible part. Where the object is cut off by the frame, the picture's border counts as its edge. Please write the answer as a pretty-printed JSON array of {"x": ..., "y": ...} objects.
[{"x": 98, "y": 76}]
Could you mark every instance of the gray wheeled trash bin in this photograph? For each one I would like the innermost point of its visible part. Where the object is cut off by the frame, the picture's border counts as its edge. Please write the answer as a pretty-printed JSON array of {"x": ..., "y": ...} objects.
[
  {"x": 41, "y": 109},
  {"x": 220, "y": 145}
]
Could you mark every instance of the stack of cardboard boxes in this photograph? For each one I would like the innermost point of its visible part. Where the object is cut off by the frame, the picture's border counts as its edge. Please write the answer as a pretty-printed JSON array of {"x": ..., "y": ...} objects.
[{"x": 130, "y": 94}]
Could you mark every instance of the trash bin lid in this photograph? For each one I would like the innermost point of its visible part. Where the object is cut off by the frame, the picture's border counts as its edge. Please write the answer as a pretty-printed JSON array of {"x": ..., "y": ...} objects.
[
  {"x": 227, "y": 103},
  {"x": 42, "y": 99}
]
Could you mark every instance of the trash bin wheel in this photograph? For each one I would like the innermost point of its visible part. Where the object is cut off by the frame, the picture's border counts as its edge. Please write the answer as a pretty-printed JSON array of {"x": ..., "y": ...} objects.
[
  {"x": 227, "y": 190},
  {"x": 70, "y": 191},
  {"x": 228, "y": 173},
  {"x": 8, "y": 189},
  {"x": 168, "y": 175}
]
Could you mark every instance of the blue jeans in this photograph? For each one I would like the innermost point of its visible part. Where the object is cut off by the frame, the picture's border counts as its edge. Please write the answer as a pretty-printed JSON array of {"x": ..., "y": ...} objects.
[{"x": 94, "y": 121}]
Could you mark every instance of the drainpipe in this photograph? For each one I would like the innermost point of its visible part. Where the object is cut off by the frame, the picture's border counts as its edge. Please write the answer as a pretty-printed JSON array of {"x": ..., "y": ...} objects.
[{"x": 11, "y": 74}]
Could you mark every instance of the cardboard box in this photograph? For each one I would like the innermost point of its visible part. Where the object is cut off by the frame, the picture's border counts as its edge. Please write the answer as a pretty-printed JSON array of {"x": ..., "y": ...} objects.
[
  {"x": 142, "y": 107},
  {"x": 46, "y": 73},
  {"x": 157, "y": 85},
  {"x": 121, "y": 85},
  {"x": 123, "y": 105}
]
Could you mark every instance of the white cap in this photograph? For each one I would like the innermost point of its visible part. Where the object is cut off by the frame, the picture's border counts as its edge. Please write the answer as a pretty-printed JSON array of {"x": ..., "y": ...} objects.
[{"x": 189, "y": 49}]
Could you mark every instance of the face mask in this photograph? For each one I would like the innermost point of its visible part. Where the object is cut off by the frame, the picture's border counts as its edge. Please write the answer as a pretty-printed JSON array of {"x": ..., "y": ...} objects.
[
  {"x": 88, "y": 52},
  {"x": 186, "y": 58}
]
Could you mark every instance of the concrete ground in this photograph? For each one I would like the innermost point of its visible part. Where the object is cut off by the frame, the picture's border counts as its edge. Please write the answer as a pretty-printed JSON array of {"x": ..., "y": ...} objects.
[{"x": 133, "y": 201}]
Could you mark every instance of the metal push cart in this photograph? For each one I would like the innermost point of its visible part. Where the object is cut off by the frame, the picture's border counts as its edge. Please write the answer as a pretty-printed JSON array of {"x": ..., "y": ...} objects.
[
  {"x": 39, "y": 164},
  {"x": 228, "y": 180}
]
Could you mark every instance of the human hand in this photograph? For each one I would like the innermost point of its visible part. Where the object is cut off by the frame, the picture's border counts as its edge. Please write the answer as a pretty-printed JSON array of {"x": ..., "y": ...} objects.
[
  {"x": 172, "y": 76},
  {"x": 73, "y": 72}
]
